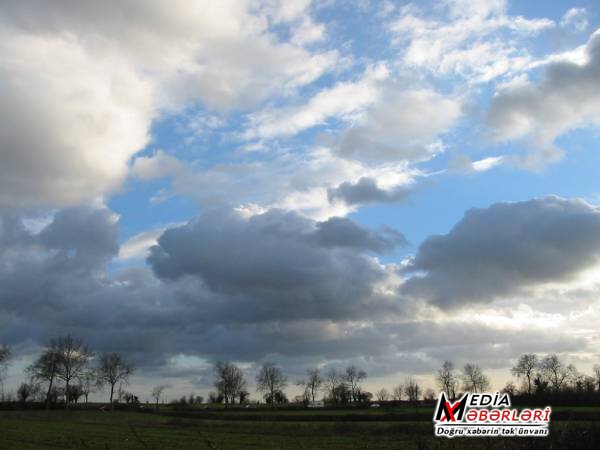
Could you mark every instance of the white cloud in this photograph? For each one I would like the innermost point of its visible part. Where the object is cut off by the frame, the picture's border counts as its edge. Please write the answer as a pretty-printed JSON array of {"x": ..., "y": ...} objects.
[
  {"x": 138, "y": 246},
  {"x": 403, "y": 126},
  {"x": 575, "y": 18},
  {"x": 89, "y": 79},
  {"x": 288, "y": 181},
  {"x": 465, "y": 40},
  {"x": 74, "y": 121},
  {"x": 342, "y": 101},
  {"x": 158, "y": 165},
  {"x": 486, "y": 164},
  {"x": 463, "y": 164},
  {"x": 567, "y": 97}
]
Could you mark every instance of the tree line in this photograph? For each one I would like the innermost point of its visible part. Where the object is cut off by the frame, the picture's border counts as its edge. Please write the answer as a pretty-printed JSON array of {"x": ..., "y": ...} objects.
[
  {"x": 64, "y": 371},
  {"x": 67, "y": 370}
]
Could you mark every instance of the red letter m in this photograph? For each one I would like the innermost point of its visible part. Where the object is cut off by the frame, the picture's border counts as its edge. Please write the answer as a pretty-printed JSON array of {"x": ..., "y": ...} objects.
[{"x": 452, "y": 412}]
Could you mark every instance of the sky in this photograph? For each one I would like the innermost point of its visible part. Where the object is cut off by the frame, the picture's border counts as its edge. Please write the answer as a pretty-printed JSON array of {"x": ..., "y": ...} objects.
[{"x": 315, "y": 184}]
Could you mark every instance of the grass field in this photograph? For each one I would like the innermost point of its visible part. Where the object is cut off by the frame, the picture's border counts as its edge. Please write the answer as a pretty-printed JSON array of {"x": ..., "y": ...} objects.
[{"x": 341, "y": 429}]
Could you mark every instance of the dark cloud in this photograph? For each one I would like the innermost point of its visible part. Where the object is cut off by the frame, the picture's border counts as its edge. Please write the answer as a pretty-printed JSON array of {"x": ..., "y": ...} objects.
[
  {"x": 365, "y": 191},
  {"x": 278, "y": 265},
  {"x": 274, "y": 286},
  {"x": 228, "y": 287},
  {"x": 342, "y": 232},
  {"x": 89, "y": 235},
  {"x": 499, "y": 250}
]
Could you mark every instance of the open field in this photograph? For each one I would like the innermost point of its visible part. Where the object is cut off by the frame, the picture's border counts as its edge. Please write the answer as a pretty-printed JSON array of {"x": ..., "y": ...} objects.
[{"x": 326, "y": 429}]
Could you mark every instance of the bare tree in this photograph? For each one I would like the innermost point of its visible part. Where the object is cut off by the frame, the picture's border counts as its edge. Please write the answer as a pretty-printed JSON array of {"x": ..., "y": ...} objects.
[
  {"x": 474, "y": 380},
  {"x": 312, "y": 383},
  {"x": 45, "y": 368},
  {"x": 229, "y": 381},
  {"x": 413, "y": 391},
  {"x": 88, "y": 382},
  {"x": 555, "y": 371},
  {"x": 270, "y": 379},
  {"x": 354, "y": 377},
  {"x": 27, "y": 390},
  {"x": 398, "y": 392},
  {"x": 113, "y": 369},
  {"x": 332, "y": 380},
  {"x": 525, "y": 368},
  {"x": 4, "y": 357},
  {"x": 73, "y": 357},
  {"x": 447, "y": 379},
  {"x": 382, "y": 395},
  {"x": 157, "y": 393}
]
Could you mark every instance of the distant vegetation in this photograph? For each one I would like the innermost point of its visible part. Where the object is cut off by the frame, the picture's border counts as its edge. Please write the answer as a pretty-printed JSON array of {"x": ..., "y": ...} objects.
[
  {"x": 67, "y": 372},
  {"x": 348, "y": 417}
]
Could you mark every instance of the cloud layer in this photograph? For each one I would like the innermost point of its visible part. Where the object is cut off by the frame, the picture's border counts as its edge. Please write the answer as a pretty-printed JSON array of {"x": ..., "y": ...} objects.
[{"x": 497, "y": 251}]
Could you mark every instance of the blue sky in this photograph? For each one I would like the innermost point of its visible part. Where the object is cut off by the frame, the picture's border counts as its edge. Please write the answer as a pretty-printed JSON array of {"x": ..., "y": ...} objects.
[{"x": 295, "y": 181}]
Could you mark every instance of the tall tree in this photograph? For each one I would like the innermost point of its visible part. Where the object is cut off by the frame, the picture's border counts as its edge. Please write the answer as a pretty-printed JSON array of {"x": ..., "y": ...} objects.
[
  {"x": 270, "y": 379},
  {"x": 229, "y": 381},
  {"x": 398, "y": 392},
  {"x": 73, "y": 357},
  {"x": 312, "y": 383},
  {"x": 474, "y": 379},
  {"x": 413, "y": 391},
  {"x": 447, "y": 379},
  {"x": 45, "y": 368},
  {"x": 4, "y": 357},
  {"x": 555, "y": 371},
  {"x": 88, "y": 382},
  {"x": 354, "y": 377},
  {"x": 525, "y": 368},
  {"x": 382, "y": 395},
  {"x": 332, "y": 381},
  {"x": 157, "y": 392},
  {"x": 113, "y": 369}
]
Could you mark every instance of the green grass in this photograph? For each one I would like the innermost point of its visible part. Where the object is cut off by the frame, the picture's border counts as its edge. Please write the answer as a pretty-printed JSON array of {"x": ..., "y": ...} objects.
[{"x": 22, "y": 430}]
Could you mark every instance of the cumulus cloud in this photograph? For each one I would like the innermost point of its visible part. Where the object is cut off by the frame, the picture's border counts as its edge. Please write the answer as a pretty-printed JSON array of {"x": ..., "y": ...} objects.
[
  {"x": 231, "y": 286},
  {"x": 505, "y": 248},
  {"x": 90, "y": 78},
  {"x": 281, "y": 263},
  {"x": 567, "y": 97},
  {"x": 74, "y": 122}
]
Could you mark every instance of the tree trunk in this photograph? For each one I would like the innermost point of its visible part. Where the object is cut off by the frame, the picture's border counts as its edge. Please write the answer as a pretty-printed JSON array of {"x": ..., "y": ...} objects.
[
  {"x": 67, "y": 394},
  {"x": 48, "y": 393},
  {"x": 112, "y": 390}
]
